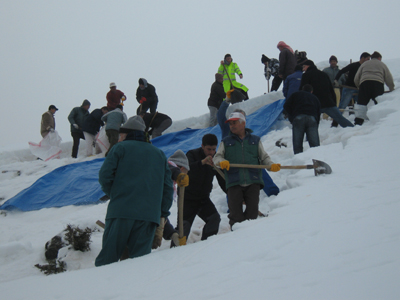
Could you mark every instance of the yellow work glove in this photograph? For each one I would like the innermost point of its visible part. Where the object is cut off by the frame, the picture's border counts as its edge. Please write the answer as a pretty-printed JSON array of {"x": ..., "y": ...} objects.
[
  {"x": 182, "y": 241},
  {"x": 158, "y": 234},
  {"x": 182, "y": 180},
  {"x": 275, "y": 167},
  {"x": 122, "y": 100},
  {"x": 228, "y": 93},
  {"x": 224, "y": 165}
]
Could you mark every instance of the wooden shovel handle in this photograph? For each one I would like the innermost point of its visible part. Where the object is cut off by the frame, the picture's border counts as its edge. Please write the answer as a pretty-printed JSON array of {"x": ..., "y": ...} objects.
[
  {"x": 265, "y": 166},
  {"x": 181, "y": 198}
]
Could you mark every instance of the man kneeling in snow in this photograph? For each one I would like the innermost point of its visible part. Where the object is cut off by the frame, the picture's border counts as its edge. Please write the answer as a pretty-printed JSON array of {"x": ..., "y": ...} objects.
[
  {"x": 242, "y": 184},
  {"x": 136, "y": 177}
]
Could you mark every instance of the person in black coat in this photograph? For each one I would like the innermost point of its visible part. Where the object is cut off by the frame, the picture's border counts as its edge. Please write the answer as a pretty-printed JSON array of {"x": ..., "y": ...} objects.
[
  {"x": 197, "y": 194},
  {"x": 323, "y": 90},
  {"x": 303, "y": 109},
  {"x": 146, "y": 96},
  {"x": 91, "y": 127},
  {"x": 156, "y": 123},
  {"x": 217, "y": 96}
]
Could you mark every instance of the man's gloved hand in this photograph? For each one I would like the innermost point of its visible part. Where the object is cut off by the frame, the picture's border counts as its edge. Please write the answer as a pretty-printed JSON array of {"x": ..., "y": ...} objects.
[
  {"x": 336, "y": 83},
  {"x": 158, "y": 234},
  {"x": 76, "y": 126},
  {"x": 182, "y": 180},
  {"x": 143, "y": 99},
  {"x": 275, "y": 167},
  {"x": 224, "y": 165},
  {"x": 175, "y": 239},
  {"x": 228, "y": 93}
]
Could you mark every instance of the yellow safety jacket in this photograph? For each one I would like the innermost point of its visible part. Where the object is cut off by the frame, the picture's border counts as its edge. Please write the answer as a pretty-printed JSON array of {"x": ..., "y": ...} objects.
[{"x": 232, "y": 68}]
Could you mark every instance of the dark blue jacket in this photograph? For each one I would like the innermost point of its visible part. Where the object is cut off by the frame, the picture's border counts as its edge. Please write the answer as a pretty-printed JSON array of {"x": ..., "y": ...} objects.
[
  {"x": 93, "y": 122},
  {"x": 292, "y": 84}
]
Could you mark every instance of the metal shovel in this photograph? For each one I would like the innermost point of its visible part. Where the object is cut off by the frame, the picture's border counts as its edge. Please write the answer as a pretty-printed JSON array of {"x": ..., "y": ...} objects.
[{"x": 319, "y": 167}]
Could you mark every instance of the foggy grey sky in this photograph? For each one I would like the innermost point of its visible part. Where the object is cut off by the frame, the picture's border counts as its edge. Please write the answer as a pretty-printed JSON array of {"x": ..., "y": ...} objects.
[{"x": 62, "y": 52}]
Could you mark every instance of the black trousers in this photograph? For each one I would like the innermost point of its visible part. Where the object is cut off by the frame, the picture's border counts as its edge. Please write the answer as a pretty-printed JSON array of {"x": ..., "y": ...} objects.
[
  {"x": 206, "y": 210},
  {"x": 250, "y": 195},
  {"x": 146, "y": 105},
  {"x": 369, "y": 89},
  {"x": 276, "y": 82},
  {"x": 76, "y": 136}
]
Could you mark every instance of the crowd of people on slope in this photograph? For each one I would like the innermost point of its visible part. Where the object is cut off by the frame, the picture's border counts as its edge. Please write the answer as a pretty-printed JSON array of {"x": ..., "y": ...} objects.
[
  {"x": 334, "y": 88},
  {"x": 141, "y": 182},
  {"x": 87, "y": 125}
]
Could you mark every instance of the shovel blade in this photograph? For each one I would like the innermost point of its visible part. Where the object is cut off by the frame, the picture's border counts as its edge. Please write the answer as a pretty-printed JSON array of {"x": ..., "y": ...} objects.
[{"x": 321, "y": 167}]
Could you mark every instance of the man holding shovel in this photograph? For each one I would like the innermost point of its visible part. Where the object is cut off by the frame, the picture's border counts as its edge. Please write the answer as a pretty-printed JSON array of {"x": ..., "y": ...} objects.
[
  {"x": 197, "y": 194},
  {"x": 242, "y": 184}
]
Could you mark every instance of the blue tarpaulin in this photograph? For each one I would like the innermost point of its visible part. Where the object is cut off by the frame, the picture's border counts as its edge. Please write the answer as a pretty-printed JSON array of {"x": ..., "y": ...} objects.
[{"x": 77, "y": 184}]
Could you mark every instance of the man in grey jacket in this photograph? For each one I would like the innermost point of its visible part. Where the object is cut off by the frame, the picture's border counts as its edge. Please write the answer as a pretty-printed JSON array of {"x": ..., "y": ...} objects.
[
  {"x": 76, "y": 118},
  {"x": 114, "y": 119},
  {"x": 370, "y": 79}
]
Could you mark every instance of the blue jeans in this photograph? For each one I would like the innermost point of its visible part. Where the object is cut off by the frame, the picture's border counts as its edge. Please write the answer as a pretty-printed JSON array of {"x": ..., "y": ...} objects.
[
  {"x": 336, "y": 115},
  {"x": 308, "y": 125},
  {"x": 347, "y": 95}
]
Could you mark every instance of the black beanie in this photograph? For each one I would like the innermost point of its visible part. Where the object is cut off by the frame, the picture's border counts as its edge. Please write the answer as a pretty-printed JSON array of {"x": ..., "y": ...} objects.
[
  {"x": 227, "y": 55},
  {"x": 141, "y": 81},
  {"x": 264, "y": 59}
]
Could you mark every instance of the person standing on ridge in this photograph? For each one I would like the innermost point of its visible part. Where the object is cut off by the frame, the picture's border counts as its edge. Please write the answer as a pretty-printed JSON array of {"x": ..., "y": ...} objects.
[
  {"x": 217, "y": 96},
  {"x": 287, "y": 60},
  {"x": 146, "y": 96},
  {"x": 114, "y": 97},
  {"x": 48, "y": 122},
  {"x": 228, "y": 69},
  {"x": 76, "y": 118},
  {"x": 91, "y": 127}
]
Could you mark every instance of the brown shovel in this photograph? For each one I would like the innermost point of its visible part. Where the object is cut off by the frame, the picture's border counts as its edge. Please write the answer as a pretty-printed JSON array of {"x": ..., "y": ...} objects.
[
  {"x": 181, "y": 197},
  {"x": 319, "y": 167}
]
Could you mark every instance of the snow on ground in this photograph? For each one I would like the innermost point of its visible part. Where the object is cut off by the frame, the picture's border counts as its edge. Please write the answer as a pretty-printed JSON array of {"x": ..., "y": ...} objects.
[{"x": 333, "y": 236}]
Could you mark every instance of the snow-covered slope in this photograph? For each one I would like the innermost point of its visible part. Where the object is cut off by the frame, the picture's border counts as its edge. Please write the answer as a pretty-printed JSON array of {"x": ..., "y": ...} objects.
[{"x": 334, "y": 236}]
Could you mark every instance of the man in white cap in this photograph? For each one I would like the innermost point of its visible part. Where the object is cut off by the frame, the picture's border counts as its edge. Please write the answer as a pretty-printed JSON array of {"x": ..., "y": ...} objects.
[
  {"x": 242, "y": 184},
  {"x": 114, "y": 97},
  {"x": 136, "y": 177}
]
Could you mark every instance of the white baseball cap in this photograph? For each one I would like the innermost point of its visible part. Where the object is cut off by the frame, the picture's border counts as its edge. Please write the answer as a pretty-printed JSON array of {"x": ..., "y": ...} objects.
[{"x": 236, "y": 116}]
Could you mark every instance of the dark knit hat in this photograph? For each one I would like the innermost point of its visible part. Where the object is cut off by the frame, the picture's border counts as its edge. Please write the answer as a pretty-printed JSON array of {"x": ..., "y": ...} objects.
[
  {"x": 85, "y": 102},
  {"x": 227, "y": 55},
  {"x": 333, "y": 57},
  {"x": 264, "y": 59},
  {"x": 133, "y": 123},
  {"x": 219, "y": 76},
  {"x": 309, "y": 62},
  {"x": 179, "y": 158}
]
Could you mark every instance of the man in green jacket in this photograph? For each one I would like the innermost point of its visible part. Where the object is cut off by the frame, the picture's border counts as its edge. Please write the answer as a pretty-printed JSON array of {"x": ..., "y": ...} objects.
[
  {"x": 76, "y": 118},
  {"x": 243, "y": 184},
  {"x": 136, "y": 177}
]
